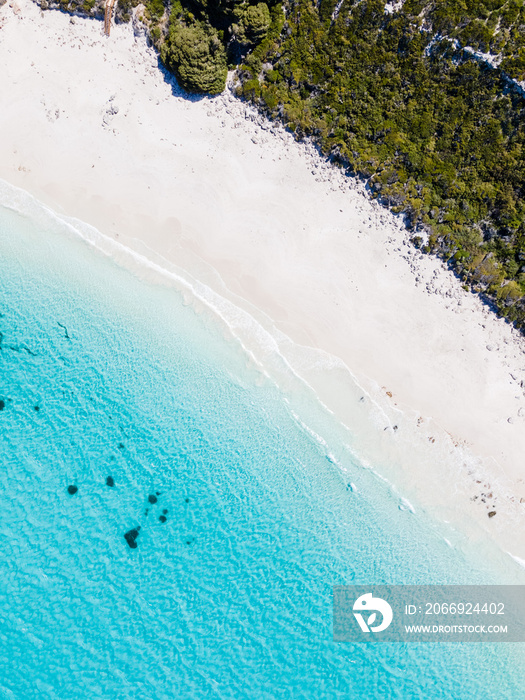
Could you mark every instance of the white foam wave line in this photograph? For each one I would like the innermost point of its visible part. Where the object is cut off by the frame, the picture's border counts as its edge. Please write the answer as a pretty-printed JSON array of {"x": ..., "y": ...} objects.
[
  {"x": 332, "y": 361},
  {"x": 234, "y": 317},
  {"x": 211, "y": 303},
  {"x": 221, "y": 307},
  {"x": 521, "y": 562},
  {"x": 203, "y": 293},
  {"x": 109, "y": 247},
  {"x": 329, "y": 361},
  {"x": 404, "y": 502},
  {"x": 315, "y": 436},
  {"x": 278, "y": 337},
  {"x": 218, "y": 304},
  {"x": 407, "y": 505}
]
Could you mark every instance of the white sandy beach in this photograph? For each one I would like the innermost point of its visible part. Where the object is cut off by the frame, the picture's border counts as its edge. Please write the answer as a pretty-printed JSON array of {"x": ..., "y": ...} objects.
[{"x": 90, "y": 126}]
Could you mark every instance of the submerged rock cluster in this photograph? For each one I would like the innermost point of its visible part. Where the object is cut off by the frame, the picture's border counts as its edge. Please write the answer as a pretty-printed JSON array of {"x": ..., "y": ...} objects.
[{"x": 131, "y": 535}]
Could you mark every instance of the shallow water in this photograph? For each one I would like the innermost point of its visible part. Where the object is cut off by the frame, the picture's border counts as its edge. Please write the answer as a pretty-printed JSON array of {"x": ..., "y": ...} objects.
[{"x": 104, "y": 374}]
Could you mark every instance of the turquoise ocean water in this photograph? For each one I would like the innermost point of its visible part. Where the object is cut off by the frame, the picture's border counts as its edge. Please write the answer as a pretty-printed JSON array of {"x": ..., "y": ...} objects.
[{"x": 103, "y": 374}]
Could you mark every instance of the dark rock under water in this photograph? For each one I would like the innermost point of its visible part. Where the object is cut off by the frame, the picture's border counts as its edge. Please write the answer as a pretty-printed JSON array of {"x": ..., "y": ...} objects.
[{"x": 131, "y": 537}]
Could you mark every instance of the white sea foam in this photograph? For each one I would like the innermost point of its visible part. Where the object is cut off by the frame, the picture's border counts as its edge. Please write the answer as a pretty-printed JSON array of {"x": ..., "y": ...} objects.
[{"x": 521, "y": 562}]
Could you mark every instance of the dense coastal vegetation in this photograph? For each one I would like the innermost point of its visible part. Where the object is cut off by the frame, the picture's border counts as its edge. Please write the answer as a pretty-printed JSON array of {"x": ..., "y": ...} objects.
[
  {"x": 437, "y": 131},
  {"x": 420, "y": 98}
]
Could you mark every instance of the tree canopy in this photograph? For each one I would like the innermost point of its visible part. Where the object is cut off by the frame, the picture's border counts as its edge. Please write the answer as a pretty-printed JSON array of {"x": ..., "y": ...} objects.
[{"x": 196, "y": 56}]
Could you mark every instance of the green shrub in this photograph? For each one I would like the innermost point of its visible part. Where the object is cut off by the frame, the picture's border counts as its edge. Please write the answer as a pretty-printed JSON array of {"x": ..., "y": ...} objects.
[
  {"x": 253, "y": 22},
  {"x": 509, "y": 294},
  {"x": 197, "y": 57},
  {"x": 154, "y": 9}
]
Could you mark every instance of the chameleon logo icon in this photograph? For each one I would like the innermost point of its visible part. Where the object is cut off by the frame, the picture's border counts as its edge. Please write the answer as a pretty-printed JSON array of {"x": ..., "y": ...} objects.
[{"x": 368, "y": 603}]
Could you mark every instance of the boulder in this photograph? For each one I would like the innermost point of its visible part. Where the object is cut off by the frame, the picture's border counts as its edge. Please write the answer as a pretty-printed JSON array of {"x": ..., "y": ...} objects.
[{"x": 131, "y": 537}]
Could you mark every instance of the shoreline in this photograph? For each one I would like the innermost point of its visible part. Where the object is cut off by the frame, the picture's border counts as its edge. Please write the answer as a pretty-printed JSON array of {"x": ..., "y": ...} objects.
[
  {"x": 94, "y": 131},
  {"x": 260, "y": 348}
]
